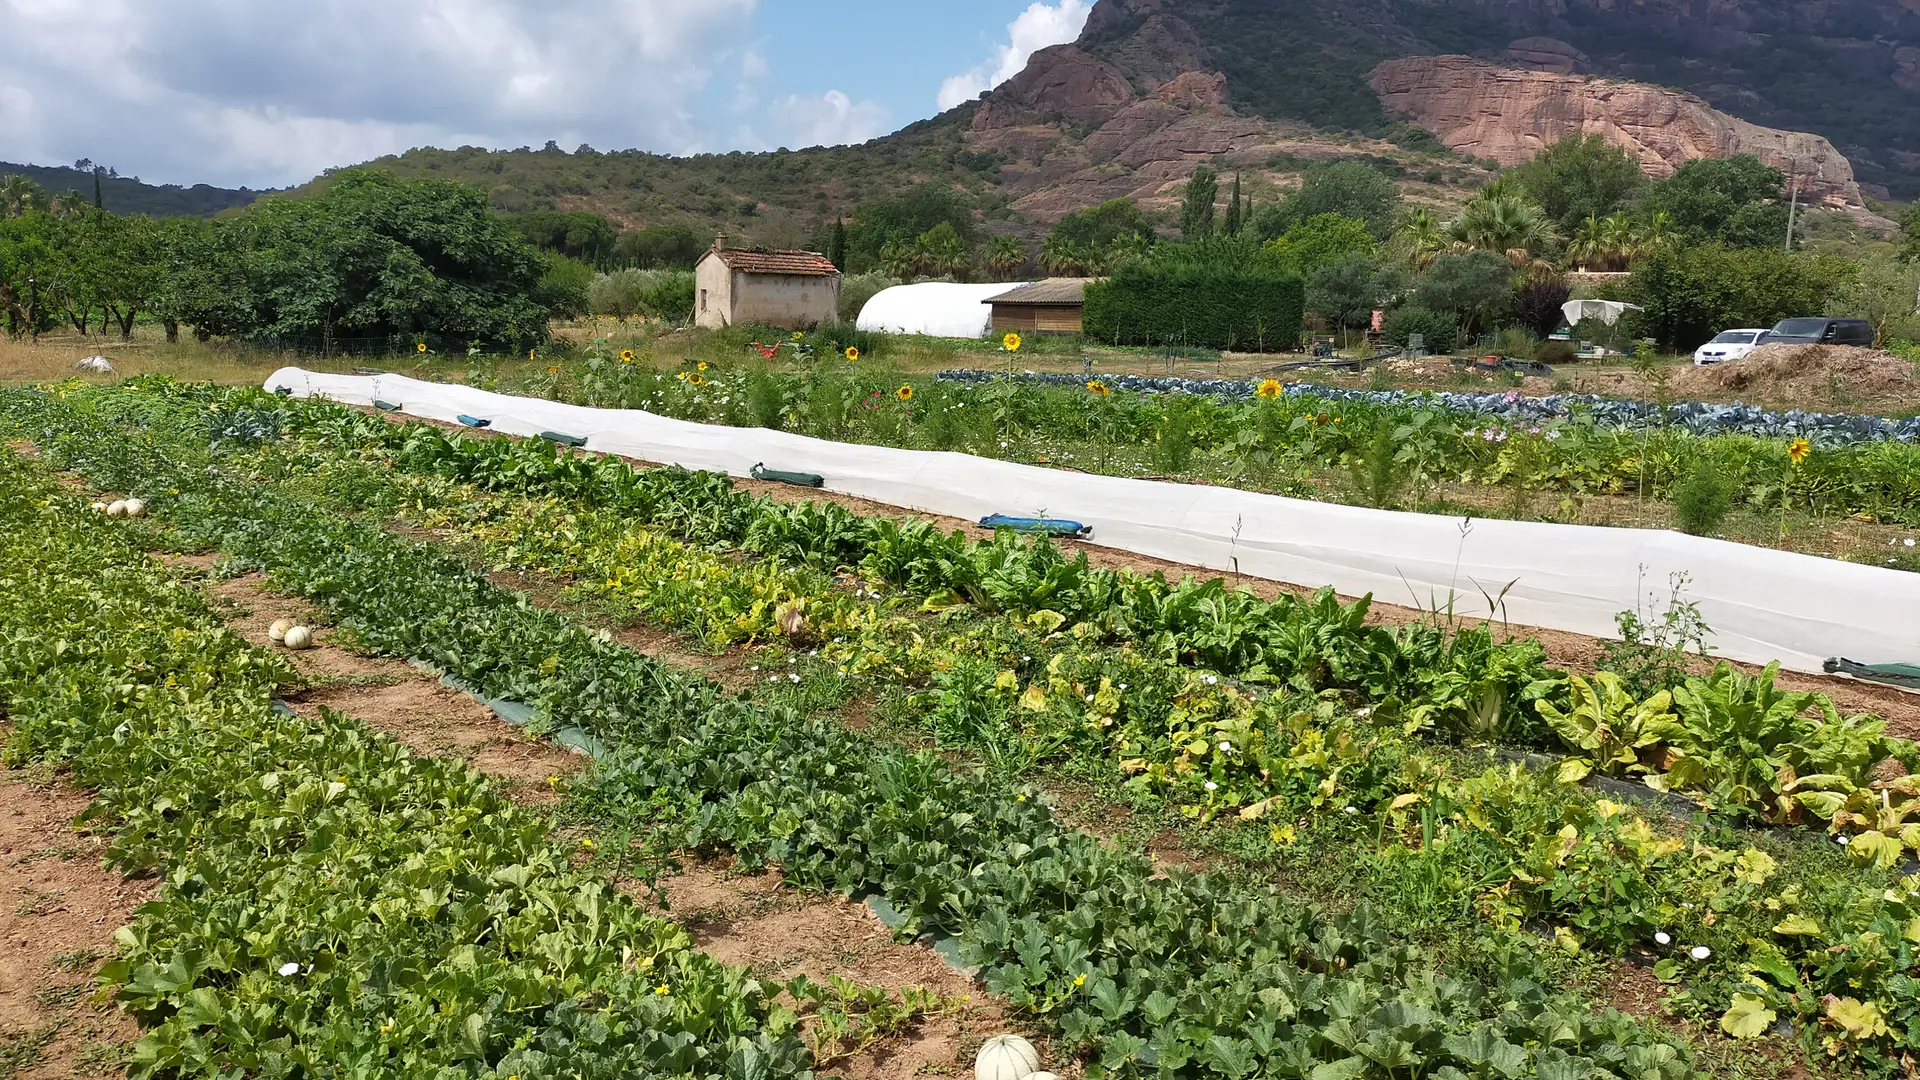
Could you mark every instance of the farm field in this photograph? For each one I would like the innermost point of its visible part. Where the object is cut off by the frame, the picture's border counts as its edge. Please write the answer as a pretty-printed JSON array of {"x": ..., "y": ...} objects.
[{"x": 1182, "y": 829}]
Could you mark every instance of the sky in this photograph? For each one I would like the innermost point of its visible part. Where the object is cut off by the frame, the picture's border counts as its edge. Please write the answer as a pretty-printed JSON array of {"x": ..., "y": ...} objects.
[{"x": 269, "y": 93}]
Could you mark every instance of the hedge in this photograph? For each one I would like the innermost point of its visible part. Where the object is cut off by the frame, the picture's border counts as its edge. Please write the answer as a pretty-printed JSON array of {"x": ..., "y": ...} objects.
[{"x": 1245, "y": 308}]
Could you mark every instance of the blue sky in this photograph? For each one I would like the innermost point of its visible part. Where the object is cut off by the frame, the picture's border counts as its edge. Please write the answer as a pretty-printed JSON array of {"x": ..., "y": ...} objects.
[{"x": 267, "y": 93}]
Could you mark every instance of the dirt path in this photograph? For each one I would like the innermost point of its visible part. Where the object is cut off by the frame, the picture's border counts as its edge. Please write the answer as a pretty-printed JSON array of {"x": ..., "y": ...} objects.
[
  {"x": 753, "y": 920},
  {"x": 58, "y": 910}
]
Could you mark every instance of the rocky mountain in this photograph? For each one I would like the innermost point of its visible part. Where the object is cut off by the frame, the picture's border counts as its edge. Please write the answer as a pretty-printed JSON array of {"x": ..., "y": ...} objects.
[{"x": 1847, "y": 70}]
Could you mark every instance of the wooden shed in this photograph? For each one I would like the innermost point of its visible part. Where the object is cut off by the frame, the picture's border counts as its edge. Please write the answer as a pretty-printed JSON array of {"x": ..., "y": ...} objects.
[{"x": 1054, "y": 306}]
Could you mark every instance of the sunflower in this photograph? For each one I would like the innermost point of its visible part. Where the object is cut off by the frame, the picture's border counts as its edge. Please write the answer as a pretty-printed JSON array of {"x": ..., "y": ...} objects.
[
  {"x": 1799, "y": 451},
  {"x": 1269, "y": 389},
  {"x": 626, "y": 356},
  {"x": 1012, "y": 342},
  {"x": 421, "y": 347},
  {"x": 701, "y": 366},
  {"x": 554, "y": 370},
  {"x": 696, "y": 380},
  {"x": 853, "y": 352},
  {"x": 1098, "y": 387},
  {"x": 797, "y": 335},
  {"x": 905, "y": 393}
]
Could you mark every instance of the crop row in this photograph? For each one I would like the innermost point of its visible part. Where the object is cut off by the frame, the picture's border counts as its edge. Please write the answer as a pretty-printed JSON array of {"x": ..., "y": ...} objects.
[
  {"x": 1286, "y": 443},
  {"x": 1523, "y": 848},
  {"x": 329, "y": 905},
  {"x": 1531, "y": 849},
  {"x": 1699, "y": 417},
  {"x": 1150, "y": 974}
]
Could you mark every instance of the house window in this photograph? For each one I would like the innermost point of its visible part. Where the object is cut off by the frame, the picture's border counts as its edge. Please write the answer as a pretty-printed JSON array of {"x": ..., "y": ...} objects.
[{"x": 703, "y": 299}]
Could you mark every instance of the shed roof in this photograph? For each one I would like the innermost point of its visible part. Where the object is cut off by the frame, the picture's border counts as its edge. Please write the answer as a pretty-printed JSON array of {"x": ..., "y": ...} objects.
[
  {"x": 797, "y": 263},
  {"x": 1051, "y": 291}
]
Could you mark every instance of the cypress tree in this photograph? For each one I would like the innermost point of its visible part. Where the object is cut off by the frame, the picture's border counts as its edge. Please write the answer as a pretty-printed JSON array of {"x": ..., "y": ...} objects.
[
  {"x": 837, "y": 245},
  {"x": 1235, "y": 219}
]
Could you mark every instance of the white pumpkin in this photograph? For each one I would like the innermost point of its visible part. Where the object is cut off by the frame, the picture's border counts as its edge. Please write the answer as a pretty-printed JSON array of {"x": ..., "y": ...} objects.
[
  {"x": 1006, "y": 1057},
  {"x": 136, "y": 508},
  {"x": 278, "y": 631},
  {"x": 100, "y": 508},
  {"x": 117, "y": 508},
  {"x": 299, "y": 639}
]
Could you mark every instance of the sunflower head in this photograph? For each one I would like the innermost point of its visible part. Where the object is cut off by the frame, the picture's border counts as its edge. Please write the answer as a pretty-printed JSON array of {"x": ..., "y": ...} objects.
[
  {"x": 1012, "y": 342},
  {"x": 905, "y": 393},
  {"x": 853, "y": 352},
  {"x": 1099, "y": 387},
  {"x": 421, "y": 347},
  {"x": 1799, "y": 450},
  {"x": 626, "y": 356},
  {"x": 1270, "y": 389},
  {"x": 797, "y": 335},
  {"x": 554, "y": 370},
  {"x": 696, "y": 379}
]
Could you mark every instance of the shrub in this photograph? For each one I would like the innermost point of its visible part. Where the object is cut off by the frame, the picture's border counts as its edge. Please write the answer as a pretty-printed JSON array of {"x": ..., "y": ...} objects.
[
  {"x": 1703, "y": 497},
  {"x": 1220, "y": 306},
  {"x": 857, "y": 289},
  {"x": 1438, "y": 331},
  {"x": 658, "y": 294},
  {"x": 1556, "y": 352}
]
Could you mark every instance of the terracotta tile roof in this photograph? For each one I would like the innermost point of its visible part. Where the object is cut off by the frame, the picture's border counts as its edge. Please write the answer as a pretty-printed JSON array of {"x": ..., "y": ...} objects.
[
  {"x": 1050, "y": 291},
  {"x": 800, "y": 263}
]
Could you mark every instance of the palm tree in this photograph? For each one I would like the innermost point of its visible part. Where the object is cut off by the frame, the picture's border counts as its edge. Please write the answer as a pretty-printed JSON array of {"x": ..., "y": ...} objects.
[
  {"x": 1422, "y": 237},
  {"x": 1004, "y": 256},
  {"x": 1658, "y": 233},
  {"x": 943, "y": 252},
  {"x": 1589, "y": 245},
  {"x": 19, "y": 195},
  {"x": 1128, "y": 248},
  {"x": 1510, "y": 224},
  {"x": 1062, "y": 257},
  {"x": 900, "y": 259},
  {"x": 69, "y": 205}
]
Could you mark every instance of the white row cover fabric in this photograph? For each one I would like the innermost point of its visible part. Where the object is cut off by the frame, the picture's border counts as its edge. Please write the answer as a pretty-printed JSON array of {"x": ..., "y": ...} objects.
[
  {"x": 1762, "y": 604},
  {"x": 1605, "y": 312},
  {"x": 933, "y": 309}
]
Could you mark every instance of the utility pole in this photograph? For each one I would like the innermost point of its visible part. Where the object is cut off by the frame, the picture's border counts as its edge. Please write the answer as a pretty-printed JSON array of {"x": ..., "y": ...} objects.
[{"x": 1793, "y": 210}]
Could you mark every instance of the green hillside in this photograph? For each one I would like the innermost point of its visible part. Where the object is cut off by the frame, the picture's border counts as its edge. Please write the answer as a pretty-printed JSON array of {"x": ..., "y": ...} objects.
[{"x": 128, "y": 195}]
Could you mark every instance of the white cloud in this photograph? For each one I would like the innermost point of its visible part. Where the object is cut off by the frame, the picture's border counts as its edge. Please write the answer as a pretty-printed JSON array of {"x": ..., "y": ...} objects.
[
  {"x": 753, "y": 66},
  {"x": 832, "y": 119},
  {"x": 1037, "y": 27},
  {"x": 265, "y": 94}
]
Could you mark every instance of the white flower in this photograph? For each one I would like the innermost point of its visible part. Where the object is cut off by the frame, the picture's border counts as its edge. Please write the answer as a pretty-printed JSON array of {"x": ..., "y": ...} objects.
[
  {"x": 1699, "y": 952},
  {"x": 289, "y": 970},
  {"x": 1844, "y": 841},
  {"x": 1663, "y": 938},
  {"x": 1226, "y": 747},
  {"x": 1352, "y": 810},
  {"x": 1211, "y": 786},
  {"x": 1910, "y": 542}
]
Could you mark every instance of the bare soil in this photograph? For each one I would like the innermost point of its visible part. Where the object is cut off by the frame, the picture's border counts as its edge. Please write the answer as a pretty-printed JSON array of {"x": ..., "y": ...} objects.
[
  {"x": 1829, "y": 377},
  {"x": 59, "y": 908}
]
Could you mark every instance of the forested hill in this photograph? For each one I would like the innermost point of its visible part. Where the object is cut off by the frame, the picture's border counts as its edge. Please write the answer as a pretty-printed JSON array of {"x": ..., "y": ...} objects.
[
  {"x": 128, "y": 195},
  {"x": 776, "y": 199}
]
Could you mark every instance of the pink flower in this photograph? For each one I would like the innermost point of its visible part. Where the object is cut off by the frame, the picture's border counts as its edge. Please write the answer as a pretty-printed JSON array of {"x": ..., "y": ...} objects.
[{"x": 1513, "y": 397}]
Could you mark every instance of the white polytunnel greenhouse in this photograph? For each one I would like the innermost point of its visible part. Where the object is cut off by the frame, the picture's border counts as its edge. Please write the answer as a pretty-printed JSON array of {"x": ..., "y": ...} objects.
[{"x": 934, "y": 309}]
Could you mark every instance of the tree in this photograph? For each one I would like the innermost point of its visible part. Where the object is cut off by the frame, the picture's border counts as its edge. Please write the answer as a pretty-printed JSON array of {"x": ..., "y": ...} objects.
[
  {"x": 1062, "y": 256},
  {"x": 590, "y": 238},
  {"x": 1504, "y": 222},
  {"x": 1540, "y": 304},
  {"x": 837, "y": 244},
  {"x": 1321, "y": 241},
  {"x": 1692, "y": 293},
  {"x": 1088, "y": 239},
  {"x": 1196, "y": 210},
  {"x": 1347, "y": 291},
  {"x": 669, "y": 246},
  {"x": 1003, "y": 257},
  {"x": 1580, "y": 177},
  {"x": 1420, "y": 238},
  {"x": 902, "y": 220},
  {"x": 1736, "y": 202},
  {"x": 29, "y": 266},
  {"x": 1349, "y": 188},
  {"x": 1475, "y": 285},
  {"x": 943, "y": 253},
  {"x": 20, "y": 196},
  {"x": 1910, "y": 247},
  {"x": 1234, "y": 220}
]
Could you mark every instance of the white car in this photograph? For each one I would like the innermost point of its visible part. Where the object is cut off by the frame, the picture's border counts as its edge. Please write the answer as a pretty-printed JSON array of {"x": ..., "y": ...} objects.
[{"x": 1731, "y": 345}]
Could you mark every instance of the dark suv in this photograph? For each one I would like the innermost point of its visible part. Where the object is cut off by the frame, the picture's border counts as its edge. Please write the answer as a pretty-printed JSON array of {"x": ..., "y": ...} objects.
[{"x": 1821, "y": 332}]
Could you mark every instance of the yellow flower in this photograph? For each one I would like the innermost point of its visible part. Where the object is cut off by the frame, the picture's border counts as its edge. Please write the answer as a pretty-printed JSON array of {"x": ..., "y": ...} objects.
[
  {"x": 1270, "y": 389},
  {"x": 554, "y": 370},
  {"x": 586, "y": 844},
  {"x": 797, "y": 335},
  {"x": 661, "y": 989},
  {"x": 1079, "y": 980},
  {"x": 853, "y": 353},
  {"x": 530, "y": 355},
  {"x": 701, "y": 366},
  {"x": 1800, "y": 451},
  {"x": 1099, "y": 387},
  {"x": 905, "y": 393},
  {"x": 626, "y": 356},
  {"x": 1012, "y": 342},
  {"x": 696, "y": 380},
  {"x": 422, "y": 347}
]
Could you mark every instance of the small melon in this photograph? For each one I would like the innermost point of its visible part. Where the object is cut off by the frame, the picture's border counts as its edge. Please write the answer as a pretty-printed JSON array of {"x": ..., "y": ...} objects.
[
  {"x": 117, "y": 508},
  {"x": 299, "y": 638},
  {"x": 278, "y": 631},
  {"x": 1006, "y": 1057},
  {"x": 100, "y": 507},
  {"x": 136, "y": 507}
]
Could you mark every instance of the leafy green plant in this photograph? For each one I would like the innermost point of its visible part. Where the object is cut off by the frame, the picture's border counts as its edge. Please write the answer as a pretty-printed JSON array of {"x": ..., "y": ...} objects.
[
  {"x": 1653, "y": 655},
  {"x": 1606, "y": 721},
  {"x": 1703, "y": 498}
]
